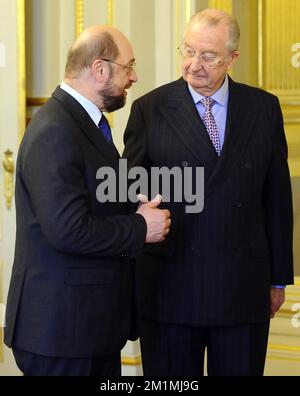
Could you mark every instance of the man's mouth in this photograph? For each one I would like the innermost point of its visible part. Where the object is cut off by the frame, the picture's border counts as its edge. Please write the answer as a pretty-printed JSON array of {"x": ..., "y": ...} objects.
[
  {"x": 197, "y": 76},
  {"x": 126, "y": 89}
]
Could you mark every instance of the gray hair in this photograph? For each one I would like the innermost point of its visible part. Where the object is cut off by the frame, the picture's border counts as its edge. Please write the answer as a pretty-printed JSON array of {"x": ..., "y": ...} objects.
[{"x": 213, "y": 17}]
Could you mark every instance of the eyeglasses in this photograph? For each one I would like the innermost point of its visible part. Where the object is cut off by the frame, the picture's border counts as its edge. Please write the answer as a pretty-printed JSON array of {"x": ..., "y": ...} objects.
[
  {"x": 131, "y": 67},
  {"x": 208, "y": 60}
]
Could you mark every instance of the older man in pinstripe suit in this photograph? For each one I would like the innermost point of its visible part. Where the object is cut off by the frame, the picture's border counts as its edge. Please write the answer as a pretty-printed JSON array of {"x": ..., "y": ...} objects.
[{"x": 220, "y": 276}]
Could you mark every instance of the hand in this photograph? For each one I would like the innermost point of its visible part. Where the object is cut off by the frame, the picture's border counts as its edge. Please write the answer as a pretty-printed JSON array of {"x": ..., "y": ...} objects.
[
  {"x": 158, "y": 220},
  {"x": 277, "y": 299},
  {"x": 144, "y": 199}
]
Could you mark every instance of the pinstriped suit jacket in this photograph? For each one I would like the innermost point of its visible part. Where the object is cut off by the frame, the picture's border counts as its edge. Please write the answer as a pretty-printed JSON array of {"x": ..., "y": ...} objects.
[{"x": 216, "y": 267}]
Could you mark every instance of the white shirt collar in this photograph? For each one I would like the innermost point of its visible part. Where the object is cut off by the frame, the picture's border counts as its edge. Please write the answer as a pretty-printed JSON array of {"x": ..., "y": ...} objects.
[
  {"x": 221, "y": 96},
  {"x": 89, "y": 106}
]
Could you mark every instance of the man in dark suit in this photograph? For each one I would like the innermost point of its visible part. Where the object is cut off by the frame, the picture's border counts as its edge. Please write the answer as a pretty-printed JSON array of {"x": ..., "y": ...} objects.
[
  {"x": 216, "y": 280},
  {"x": 70, "y": 307}
]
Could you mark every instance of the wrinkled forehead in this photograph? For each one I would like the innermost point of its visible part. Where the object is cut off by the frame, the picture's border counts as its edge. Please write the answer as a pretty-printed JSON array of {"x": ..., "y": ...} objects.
[{"x": 215, "y": 36}]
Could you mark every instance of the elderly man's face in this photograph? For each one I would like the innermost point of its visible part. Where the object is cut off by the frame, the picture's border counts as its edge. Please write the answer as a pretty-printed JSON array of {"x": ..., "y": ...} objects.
[{"x": 208, "y": 42}]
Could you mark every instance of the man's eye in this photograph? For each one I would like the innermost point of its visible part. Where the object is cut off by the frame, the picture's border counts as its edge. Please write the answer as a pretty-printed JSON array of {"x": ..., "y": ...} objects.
[
  {"x": 189, "y": 51},
  {"x": 209, "y": 58}
]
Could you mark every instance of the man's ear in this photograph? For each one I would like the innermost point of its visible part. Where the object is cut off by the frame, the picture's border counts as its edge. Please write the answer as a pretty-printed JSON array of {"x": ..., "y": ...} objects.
[
  {"x": 234, "y": 56},
  {"x": 100, "y": 70}
]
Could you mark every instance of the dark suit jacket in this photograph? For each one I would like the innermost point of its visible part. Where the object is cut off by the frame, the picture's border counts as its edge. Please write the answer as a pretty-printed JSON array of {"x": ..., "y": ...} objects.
[
  {"x": 216, "y": 267},
  {"x": 71, "y": 289}
]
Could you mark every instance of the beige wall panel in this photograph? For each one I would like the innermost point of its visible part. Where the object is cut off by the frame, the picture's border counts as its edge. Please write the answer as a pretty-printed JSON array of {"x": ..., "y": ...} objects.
[
  {"x": 50, "y": 31},
  {"x": 12, "y": 112},
  {"x": 42, "y": 43},
  {"x": 95, "y": 12},
  {"x": 142, "y": 36},
  {"x": 135, "y": 19},
  {"x": 66, "y": 32},
  {"x": 165, "y": 48},
  {"x": 201, "y": 4}
]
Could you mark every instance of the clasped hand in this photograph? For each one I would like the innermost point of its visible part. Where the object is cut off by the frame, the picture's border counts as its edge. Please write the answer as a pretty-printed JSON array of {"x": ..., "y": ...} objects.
[{"x": 158, "y": 220}]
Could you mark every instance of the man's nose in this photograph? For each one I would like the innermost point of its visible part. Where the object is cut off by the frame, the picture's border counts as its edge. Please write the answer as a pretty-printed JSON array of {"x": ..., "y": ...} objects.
[
  {"x": 133, "y": 76},
  {"x": 196, "y": 63}
]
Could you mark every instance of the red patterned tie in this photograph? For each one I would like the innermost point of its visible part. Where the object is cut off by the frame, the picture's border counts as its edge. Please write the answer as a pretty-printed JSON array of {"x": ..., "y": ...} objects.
[{"x": 210, "y": 123}]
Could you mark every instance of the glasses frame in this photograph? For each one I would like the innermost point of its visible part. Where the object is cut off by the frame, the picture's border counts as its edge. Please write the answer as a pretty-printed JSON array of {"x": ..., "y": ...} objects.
[
  {"x": 130, "y": 67},
  {"x": 218, "y": 62}
]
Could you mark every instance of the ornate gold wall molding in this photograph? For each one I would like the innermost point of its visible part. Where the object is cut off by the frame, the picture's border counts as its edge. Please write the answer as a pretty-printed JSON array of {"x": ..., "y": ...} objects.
[
  {"x": 36, "y": 101},
  {"x": 260, "y": 44},
  {"x": 284, "y": 347},
  {"x": 187, "y": 10},
  {"x": 33, "y": 102},
  {"x": 8, "y": 172},
  {"x": 283, "y": 343},
  {"x": 278, "y": 32},
  {"x": 278, "y": 25},
  {"x": 225, "y": 5},
  {"x": 79, "y": 17},
  {"x": 131, "y": 361},
  {"x": 1, "y": 343},
  {"x": 21, "y": 69},
  {"x": 110, "y": 12},
  {"x": 291, "y": 111}
]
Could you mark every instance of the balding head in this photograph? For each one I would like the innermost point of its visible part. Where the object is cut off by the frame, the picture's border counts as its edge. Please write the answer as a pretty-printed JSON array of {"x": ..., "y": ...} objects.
[
  {"x": 95, "y": 42},
  {"x": 214, "y": 17}
]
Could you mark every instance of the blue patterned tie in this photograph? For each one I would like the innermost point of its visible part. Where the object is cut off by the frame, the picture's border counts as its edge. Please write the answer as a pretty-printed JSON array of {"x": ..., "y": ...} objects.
[
  {"x": 210, "y": 123},
  {"x": 105, "y": 129}
]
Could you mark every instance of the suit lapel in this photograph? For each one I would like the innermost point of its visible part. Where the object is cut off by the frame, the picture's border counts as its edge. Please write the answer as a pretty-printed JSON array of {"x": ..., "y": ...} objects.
[
  {"x": 241, "y": 118},
  {"x": 87, "y": 125},
  {"x": 183, "y": 118}
]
